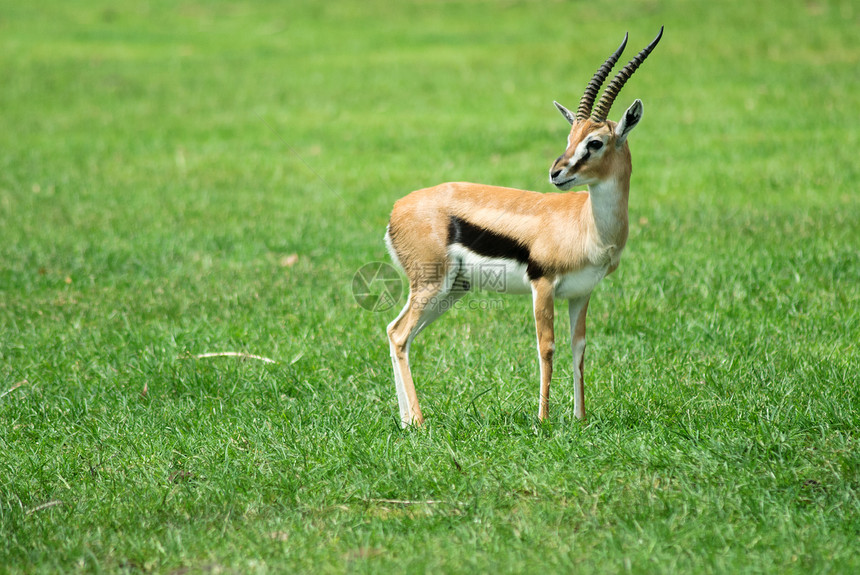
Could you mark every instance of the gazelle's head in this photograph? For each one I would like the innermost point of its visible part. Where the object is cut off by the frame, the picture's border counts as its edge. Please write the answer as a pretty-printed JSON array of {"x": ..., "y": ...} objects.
[{"x": 597, "y": 147}]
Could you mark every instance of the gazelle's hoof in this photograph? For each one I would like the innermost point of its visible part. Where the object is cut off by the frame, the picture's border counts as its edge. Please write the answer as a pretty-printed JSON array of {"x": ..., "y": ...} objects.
[{"x": 412, "y": 422}]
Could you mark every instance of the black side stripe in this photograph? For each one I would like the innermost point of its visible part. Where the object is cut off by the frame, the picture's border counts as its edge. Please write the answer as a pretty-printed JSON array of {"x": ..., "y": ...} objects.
[{"x": 491, "y": 244}]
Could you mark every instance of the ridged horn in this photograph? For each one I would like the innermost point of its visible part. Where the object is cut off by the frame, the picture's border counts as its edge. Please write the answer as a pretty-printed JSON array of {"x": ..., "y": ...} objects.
[
  {"x": 601, "y": 111},
  {"x": 596, "y": 82}
]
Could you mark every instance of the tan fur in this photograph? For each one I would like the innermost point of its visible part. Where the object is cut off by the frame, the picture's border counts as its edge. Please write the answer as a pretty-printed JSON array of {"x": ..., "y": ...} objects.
[
  {"x": 544, "y": 313},
  {"x": 563, "y": 232},
  {"x": 555, "y": 227}
]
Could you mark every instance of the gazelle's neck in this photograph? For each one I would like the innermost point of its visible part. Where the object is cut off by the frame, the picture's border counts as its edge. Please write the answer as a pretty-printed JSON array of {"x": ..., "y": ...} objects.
[{"x": 608, "y": 204}]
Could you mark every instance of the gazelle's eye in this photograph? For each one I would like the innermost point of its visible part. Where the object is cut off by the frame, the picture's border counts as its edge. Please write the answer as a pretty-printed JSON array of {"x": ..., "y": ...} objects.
[{"x": 594, "y": 145}]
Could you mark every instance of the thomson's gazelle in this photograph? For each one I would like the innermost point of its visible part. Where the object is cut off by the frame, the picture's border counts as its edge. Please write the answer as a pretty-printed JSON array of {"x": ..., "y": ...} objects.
[{"x": 458, "y": 236}]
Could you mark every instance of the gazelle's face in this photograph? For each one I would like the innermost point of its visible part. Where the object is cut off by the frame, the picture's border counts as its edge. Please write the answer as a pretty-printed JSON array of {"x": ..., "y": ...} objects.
[
  {"x": 596, "y": 150},
  {"x": 585, "y": 161}
]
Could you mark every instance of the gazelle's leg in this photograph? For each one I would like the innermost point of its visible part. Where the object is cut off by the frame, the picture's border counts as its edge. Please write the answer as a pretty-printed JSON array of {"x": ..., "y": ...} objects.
[
  {"x": 577, "y": 309},
  {"x": 542, "y": 294},
  {"x": 426, "y": 303},
  {"x": 400, "y": 363},
  {"x": 441, "y": 303}
]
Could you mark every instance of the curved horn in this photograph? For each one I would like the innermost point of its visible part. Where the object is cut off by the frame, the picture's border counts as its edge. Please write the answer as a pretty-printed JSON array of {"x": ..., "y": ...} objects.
[
  {"x": 596, "y": 82},
  {"x": 601, "y": 111}
]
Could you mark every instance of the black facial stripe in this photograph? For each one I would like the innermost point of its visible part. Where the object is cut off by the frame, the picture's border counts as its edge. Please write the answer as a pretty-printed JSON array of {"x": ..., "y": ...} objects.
[
  {"x": 580, "y": 161},
  {"x": 491, "y": 244}
]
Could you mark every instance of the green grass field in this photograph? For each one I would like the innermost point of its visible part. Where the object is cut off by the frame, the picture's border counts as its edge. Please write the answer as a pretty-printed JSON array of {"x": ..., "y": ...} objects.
[{"x": 196, "y": 177}]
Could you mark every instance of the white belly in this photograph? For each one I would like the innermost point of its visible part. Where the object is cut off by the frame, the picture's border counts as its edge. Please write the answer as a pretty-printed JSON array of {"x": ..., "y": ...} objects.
[
  {"x": 490, "y": 274},
  {"x": 579, "y": 283},
  {"x": 509, "y": 276}
]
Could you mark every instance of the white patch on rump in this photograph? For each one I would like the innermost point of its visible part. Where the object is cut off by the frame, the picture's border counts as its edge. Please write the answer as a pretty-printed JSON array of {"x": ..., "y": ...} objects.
[{"x": 391, "y": 251}]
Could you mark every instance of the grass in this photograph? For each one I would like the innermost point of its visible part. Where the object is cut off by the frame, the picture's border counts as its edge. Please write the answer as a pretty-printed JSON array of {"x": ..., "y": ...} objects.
[{"x": 160, "y": 163}]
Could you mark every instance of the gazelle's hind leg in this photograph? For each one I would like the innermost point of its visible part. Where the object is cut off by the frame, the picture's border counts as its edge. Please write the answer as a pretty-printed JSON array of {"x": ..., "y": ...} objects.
[{"x": 425, "y": 304}]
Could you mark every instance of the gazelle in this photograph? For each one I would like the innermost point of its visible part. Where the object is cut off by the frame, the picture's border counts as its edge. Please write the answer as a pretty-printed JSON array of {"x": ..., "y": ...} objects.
[{"x": 454, "y": 237}]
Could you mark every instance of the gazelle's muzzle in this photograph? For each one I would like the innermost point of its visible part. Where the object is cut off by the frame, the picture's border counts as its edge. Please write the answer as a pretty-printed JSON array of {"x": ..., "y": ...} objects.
[{"x": 560, "y": 174}]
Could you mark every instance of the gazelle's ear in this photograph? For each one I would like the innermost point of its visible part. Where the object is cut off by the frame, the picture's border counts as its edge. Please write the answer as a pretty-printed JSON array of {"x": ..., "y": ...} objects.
[
  {"x": 628, "y": 122},
  {"x": 568, "y": 115}
]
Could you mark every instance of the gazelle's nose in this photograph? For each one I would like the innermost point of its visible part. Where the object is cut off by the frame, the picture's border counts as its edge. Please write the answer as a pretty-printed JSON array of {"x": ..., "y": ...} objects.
[{"x": 554, "y": 174}]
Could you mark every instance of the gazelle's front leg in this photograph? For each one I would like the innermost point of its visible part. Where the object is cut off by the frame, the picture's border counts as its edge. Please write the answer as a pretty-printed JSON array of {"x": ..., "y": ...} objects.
[
  {"x": 542, "y": 294},
  {"x": 578, "y": 308}
]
